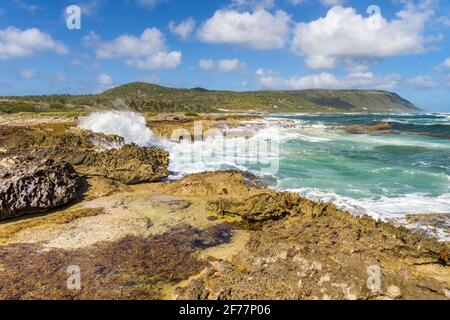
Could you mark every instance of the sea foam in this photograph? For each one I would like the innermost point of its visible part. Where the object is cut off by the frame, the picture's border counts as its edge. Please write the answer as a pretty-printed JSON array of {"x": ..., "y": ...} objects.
[{"x": 384, "y": 208}]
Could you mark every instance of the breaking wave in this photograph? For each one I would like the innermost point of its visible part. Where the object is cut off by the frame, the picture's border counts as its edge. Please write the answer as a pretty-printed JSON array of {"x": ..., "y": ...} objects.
[{"x": 129, "y": 125}]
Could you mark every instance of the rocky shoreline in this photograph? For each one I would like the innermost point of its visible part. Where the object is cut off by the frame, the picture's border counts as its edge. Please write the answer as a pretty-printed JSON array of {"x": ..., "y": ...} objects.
[{"x": 220, "y": 235}]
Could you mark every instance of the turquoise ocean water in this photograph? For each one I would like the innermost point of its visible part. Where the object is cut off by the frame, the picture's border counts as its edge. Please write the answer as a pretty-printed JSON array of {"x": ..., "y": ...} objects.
[{"x": 387, "y": 175}]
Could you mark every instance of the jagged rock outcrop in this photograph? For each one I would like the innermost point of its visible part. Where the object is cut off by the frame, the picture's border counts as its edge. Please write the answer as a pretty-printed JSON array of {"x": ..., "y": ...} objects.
[
  {"x": 169, "y": 127},
  {"x": 95, "y": 154},
  {"x": 215, "y": 184},
  {"x": 319, "y": 252},
  {"x": 387, "y": 128},
  {"x": 130, "y": 164},
  {"x": 260, "y": 207},
  {"x": 258, "y": 204},
  {"x": 34, "y": 186},
  {"x": 20, "y": 138}
]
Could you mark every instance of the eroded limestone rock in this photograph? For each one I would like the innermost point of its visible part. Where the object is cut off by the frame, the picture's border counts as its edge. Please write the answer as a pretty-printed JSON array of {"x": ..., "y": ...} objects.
[
  {"x": 37, "y": 186},
  {"x": 94, "y": 154},
  {"x": 130, "y": 164},
  {"x": 260, "y": 207}
]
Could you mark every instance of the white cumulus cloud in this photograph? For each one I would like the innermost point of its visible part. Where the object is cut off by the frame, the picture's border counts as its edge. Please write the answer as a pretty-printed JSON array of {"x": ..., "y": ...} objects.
[
  {"x": 224, "y": 65},
  {"x": 423, "y": 82},
  {"x": 259, "y": 29},
  {"x": 148, "y": 51},
  {"x": 206, "y": 64},
  {"x": 183, "y": 29},
  {"x": 104, "y": 79},
  {"x": 445, "y": 65},
  {"x": 344, "y": 37},
  {"x": 268, "y": 79},
  {"x": 228, "y": 65},
  {"x": 17, "y": 43},
  {"x": 91, "y": 8},
  {"x": 160, "y": 60}
]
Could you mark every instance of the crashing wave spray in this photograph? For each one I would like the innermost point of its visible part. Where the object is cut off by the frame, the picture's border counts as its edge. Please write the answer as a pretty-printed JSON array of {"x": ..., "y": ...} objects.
[{"x": 129, "y": 125}]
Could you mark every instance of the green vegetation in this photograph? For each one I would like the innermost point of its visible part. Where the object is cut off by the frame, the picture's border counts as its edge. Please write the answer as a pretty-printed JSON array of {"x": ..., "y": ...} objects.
[
  {"x": 17, "y": 107},
  {"x": 20, "y": 105},
  {"x": 150, "y": 98}
]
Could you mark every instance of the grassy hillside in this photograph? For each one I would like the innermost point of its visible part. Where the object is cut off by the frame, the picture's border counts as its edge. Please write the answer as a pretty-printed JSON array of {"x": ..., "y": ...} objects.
[{"x": 145, "y": 97}]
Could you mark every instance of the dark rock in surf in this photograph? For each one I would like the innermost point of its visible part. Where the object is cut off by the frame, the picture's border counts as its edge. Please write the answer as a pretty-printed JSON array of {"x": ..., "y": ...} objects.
[{"x": 368, "y": 129}]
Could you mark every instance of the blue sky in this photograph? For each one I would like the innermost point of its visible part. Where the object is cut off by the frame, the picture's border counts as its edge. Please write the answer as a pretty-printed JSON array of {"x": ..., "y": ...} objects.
[{"x": 395, "y": 45}]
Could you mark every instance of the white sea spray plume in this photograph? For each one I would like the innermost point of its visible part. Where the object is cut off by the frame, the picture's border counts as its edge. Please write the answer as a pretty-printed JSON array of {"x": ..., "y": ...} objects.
[{"x": 130, "y": 125}]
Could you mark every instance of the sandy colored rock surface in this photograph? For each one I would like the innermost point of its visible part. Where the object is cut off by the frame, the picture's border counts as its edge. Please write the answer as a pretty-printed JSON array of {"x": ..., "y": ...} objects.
[
  {"x": 323, "y": 253},
  {"x": 314, "y": 252},
  {"x": 165, "y": 127},
  {"x": 141, "y": 211}
]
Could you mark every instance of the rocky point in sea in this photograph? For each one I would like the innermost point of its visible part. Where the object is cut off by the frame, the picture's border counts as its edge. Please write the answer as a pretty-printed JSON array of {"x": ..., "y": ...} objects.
[{"x": 93, "y": 154}]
